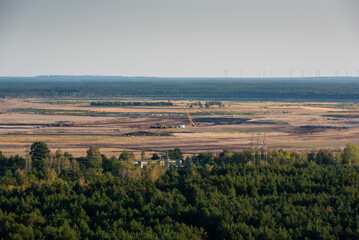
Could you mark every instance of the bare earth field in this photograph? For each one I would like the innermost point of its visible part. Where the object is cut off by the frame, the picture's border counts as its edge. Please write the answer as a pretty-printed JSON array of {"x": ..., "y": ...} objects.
[{"x": 75, "y": 127}]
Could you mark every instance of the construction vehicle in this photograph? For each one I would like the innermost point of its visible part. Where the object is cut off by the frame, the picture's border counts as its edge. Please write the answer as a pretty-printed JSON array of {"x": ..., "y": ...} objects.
[
  {"x": 161, "y": 126},
  {"x": 190, "y": 119}
]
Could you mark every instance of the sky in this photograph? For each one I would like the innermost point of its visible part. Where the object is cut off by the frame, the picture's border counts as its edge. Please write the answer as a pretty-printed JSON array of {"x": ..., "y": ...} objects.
[{"x": 186, "y": 38}]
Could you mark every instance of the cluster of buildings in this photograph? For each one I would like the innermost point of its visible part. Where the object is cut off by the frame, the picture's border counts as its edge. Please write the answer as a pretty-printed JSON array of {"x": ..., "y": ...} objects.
[{"x": 162, "y": 162}]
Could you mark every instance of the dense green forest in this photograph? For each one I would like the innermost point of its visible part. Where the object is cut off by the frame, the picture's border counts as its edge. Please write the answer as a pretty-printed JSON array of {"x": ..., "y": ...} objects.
[
  {"x": 294, "y": 195},
  {"x": 120, "y": 103},
  {"x": 275, "y": 89}
]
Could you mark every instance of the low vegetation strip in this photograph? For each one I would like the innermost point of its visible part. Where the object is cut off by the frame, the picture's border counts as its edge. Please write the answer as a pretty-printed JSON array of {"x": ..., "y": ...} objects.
[
  {"x": 324, "y": 127},
  {"x": 225, "y": 113},
  {"x": 92, "y": 113},
  {"x": 125, "y": 104},
  {"x": 70, "y": 112},
  {"x": 342, "y": 115}
]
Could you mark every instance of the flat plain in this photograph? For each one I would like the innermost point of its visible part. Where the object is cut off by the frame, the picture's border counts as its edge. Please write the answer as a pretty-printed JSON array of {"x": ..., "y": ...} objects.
[{"x": 75, "y": 126}]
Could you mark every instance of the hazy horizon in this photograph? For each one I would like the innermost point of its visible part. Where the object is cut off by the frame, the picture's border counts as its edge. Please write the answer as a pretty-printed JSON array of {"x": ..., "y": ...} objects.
[{"x": 198, "y": 38}]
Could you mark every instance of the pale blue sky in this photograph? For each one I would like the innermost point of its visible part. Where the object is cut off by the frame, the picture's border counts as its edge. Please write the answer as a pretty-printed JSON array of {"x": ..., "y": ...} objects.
[{"x": 179, "y": 38}]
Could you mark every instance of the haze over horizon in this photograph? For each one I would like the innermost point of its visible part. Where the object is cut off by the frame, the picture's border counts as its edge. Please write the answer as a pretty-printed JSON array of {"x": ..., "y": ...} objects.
[{"x": 198, "y": 38}]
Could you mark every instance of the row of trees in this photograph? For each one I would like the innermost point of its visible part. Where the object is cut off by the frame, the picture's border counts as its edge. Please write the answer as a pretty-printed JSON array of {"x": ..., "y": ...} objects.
[
  {"x": 42, "y": 159},
  {"x": 120, "y": 103},
  {"x": 348, "y": 157},
  {"x": 207, "y": 104}
]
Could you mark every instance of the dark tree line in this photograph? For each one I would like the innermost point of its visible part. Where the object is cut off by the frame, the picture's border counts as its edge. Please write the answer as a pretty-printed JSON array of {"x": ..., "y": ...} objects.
[
  {"x": 207, "y": 104},
  {"x": 120, "y": 104}
]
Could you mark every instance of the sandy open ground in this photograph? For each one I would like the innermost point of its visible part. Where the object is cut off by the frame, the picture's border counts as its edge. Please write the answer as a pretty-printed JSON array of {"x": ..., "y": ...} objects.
[{"x": 285, "y": 125}]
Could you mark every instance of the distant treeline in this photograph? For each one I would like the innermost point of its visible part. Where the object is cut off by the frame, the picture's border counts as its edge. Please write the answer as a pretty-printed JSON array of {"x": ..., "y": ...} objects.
[
  {"x": 208, "y": 104},
  {"x": 119, "y": 103},
  {"x": 321, "y": 89}
]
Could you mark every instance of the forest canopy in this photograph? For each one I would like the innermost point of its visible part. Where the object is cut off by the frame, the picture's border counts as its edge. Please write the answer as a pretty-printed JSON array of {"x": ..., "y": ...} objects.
[{"x": 294, "y": 195}]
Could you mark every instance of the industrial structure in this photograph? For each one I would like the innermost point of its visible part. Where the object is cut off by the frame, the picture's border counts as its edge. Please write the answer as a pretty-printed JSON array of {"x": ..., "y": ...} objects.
[{"x": 259, "y": 150}]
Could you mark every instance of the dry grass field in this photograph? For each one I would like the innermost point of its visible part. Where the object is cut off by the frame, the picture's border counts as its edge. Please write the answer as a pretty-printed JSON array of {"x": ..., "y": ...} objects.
[{"x": 75, "y": 127}]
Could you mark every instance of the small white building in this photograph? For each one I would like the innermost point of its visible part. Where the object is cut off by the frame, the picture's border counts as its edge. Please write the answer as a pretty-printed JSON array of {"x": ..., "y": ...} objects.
[
  {"x": 162, "y": 162},
  {"x": 142, "y": 163}
]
